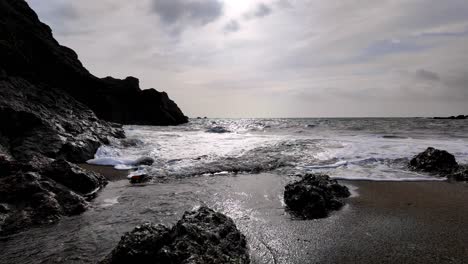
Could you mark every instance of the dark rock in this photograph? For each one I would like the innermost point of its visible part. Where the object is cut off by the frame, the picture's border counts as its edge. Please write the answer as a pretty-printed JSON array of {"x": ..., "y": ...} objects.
[
  {"x": 28, "y": 50},
  {"x": 144, "y": 161},
  {"x": 439, "y": 163},
  {"x": 459, "y": 117},
  {"x": 434, "y": 161},
  {"x": 217, "y": 129},
  {"x": 77, "y": 179},
  {"x": 131, "y": 142},
  {"x": 202, "y": 236},
  {"x": 51, "y": 108},
  {"x": 459, "y": 174},
  {"x": 31, "y": 199},
  {"x": 314, "y": 196}
]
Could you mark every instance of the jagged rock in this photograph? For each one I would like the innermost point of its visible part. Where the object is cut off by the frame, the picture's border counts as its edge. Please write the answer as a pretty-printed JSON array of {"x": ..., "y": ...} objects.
[
  {"x": 202, "y": 236},
  {"x": 314, "y": 196},
  {"x": 50, "y": 108},
  {"x": 29, "y": 198},
  {"x": 81, "y": 181},
  {"x": 434, "y": 161},
  {"x": 439, "y": 163},
  {"x": 28, "y": 50},
  {"x": 46, "y": 123}
]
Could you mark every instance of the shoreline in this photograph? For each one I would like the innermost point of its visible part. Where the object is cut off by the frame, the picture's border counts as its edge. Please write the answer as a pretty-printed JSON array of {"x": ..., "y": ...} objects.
[{"x": 386, "y": 222}]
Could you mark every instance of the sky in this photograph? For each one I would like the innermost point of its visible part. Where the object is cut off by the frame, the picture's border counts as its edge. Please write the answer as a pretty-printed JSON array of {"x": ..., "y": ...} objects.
[{"x": 277, "y": 58}]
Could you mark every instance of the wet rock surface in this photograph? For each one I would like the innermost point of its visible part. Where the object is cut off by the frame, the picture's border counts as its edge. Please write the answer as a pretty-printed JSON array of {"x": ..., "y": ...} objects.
[
  {"x": 434, "y": 161},
  {"x": 29, "y": 198},
  {"x": 440, "y": 163},
  {"x": 201, "y": 236},
  {"x": 314, "y": 196}
]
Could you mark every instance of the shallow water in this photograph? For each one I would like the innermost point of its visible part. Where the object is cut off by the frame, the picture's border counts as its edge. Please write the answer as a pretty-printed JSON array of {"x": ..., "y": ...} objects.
[{"x": 193, "y": 167}]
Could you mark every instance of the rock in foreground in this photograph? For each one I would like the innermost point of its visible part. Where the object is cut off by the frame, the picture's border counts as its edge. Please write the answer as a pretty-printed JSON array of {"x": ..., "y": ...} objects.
[
  {"x": 31, "y": 196},
  {"x": 202, "y": 236},
  {"x": 314, "y": 196},
  {"x": 441, "y": 163}
]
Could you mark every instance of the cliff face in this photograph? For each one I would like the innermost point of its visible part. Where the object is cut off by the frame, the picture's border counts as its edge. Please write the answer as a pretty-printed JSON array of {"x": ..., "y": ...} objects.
[
  {"x": 28, "y": 50},
  {"x": 53, "y": 112}
]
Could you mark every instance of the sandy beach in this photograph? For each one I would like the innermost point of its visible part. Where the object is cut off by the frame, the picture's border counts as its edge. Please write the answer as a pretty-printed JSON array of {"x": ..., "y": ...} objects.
[{"x": 383, "y": 222}]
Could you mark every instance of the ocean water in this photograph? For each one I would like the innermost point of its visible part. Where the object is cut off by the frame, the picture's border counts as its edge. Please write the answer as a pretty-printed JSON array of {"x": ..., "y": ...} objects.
[
  {"x": 241, "y": 173},
  {"x": 371, "y": 148}
]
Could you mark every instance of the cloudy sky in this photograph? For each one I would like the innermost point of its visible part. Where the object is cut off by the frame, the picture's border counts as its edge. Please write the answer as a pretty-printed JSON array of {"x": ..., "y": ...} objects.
[{"x": 277, "y": 58}]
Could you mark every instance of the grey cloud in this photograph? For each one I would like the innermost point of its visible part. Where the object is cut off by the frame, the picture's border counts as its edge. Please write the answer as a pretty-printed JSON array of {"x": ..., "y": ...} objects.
[
  {"x": 261, "y": 10},
  {"x": 284, "y": 4},
  {"x": 188, "y": 12},
  {"x": 231, "y": 26},
  {"x": 427, "y": 75}
]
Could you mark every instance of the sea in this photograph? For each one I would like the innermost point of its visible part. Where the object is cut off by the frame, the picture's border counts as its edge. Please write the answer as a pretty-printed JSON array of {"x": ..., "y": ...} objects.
[{"x": 238, "y": 167}]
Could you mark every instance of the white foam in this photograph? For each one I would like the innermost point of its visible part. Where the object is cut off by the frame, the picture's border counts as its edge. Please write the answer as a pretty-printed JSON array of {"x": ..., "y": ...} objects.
[
  {"x": 328, "y": 166},
  {"x": 110, "y": 161}
]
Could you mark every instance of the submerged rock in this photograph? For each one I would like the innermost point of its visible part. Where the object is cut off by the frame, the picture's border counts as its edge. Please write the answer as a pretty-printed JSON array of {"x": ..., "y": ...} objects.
[
  {"x": 440, "y": 163},
  {"x": 217, "y": 129},
  {"x": 202, "y": 236},
  {"x": 434, "y": 160},
  {"x": 314, "y": 196},
  {"x": 144, "y": 161}
]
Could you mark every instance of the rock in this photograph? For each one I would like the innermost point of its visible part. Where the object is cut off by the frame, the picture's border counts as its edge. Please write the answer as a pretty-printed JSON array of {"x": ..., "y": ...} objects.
[
  {"x": 459, "y": 174},
  {"x": 458, "y": 117},
  {"x": 217, "y": 129},
  {"x": 314, "y": 196},
  {"x": 29, "y": 50},
  {"x": 81, "y": 181},
  {"x": 144, "y": 161},
  {"x": 131, "y": 142},
  {"x": 53, "y": 112},
  {"x": 31, "y": 199},
  {"x": 202, "y": 236},
  {"x": 434, "y": 161}
]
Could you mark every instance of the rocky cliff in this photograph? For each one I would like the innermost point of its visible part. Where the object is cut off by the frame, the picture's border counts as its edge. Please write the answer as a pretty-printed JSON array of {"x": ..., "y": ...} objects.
[
  {"x": 28, "y": 49},
  {"x": 53, "y": 112}
]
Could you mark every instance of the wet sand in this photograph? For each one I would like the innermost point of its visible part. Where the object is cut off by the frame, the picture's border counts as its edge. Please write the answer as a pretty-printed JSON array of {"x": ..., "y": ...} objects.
[
  {"x": 404, "y": 222},
  {"x": 107, "y": 171},
  {"x": 385, "y": 222}
]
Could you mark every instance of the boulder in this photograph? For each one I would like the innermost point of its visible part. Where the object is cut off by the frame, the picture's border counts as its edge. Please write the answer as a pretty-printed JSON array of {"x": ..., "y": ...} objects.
[
  {"x": 144, "y": 161},
  {"x": 434, "y": 161},
  {"x": 314, "y": 196},
  {"x": 29, "y": 198},
  {"x": 77, "y": 179},
  {"x": 201, "y": 236}
]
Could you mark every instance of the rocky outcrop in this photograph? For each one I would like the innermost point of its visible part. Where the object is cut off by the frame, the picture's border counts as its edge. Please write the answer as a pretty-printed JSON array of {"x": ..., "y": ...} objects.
[
  {"x": 440, "y": 163},
  {"x": 458, "y": 117},
  {"x": 31, "y": 196},
  {"x": 53, "y": 112},
  {"x": 202, "y": 236},
  {"x": 28, "y": 50},
  {"x": 434, "y": 161},
  {"x": 314, "y": 196}
]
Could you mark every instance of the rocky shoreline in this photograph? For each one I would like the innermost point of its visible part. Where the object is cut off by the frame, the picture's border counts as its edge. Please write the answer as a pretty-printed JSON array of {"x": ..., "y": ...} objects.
[{"x": 54, "y": 112}]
